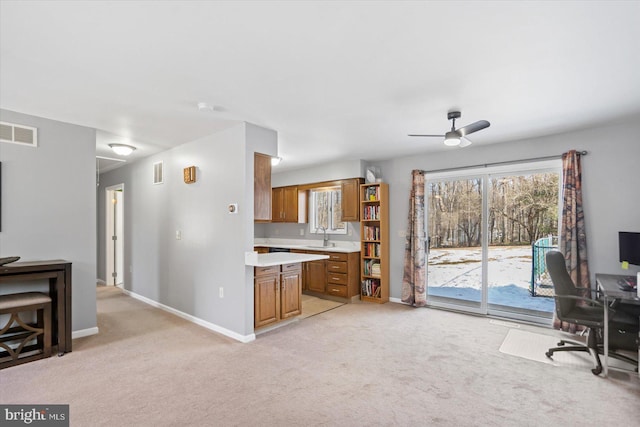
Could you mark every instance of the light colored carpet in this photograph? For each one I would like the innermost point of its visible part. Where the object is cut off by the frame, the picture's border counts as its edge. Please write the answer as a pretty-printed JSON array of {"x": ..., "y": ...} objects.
[
  {"x": 533, "y": 346},
  {"x": 313, "y": 305},
  {"x": 356, "y": 365}
]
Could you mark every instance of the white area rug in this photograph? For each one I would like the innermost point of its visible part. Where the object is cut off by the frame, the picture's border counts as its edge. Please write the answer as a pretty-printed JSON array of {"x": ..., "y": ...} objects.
[{"x": 533, "y": 346}]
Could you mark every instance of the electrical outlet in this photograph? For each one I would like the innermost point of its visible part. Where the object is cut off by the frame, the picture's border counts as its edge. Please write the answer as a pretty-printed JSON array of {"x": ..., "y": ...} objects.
[
  {"x": 178, "y": 235},
  {"x": 221, "y": 292},
  {"x": 350, "y": 231},
  {"x": 302, "y": 231}
]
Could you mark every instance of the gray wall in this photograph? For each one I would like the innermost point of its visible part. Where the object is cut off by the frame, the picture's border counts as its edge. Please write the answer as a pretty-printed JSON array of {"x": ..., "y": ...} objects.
[
  {"x": 48, "y": 204},
  {"x": 610, "y": 174},
  {"x": 186, "y": 274}
]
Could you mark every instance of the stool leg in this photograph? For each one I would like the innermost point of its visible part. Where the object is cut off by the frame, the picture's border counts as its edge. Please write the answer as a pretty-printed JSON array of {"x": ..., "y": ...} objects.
[{"x": 46, "y": 313}]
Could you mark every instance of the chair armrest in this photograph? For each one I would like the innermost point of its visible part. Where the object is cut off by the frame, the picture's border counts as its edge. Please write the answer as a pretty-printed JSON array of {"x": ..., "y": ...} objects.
[{"x": 575, "y": 297}]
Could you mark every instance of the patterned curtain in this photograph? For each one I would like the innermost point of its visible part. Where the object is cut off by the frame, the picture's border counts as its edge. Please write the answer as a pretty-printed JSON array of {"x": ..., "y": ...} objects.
[
  {"x": 573, "y": 239},
  {"x": 414, "y": 289}
]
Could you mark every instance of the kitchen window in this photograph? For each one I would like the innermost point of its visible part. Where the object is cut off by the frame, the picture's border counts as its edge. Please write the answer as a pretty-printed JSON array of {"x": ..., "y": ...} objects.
[{"x": 325, "y": 211}]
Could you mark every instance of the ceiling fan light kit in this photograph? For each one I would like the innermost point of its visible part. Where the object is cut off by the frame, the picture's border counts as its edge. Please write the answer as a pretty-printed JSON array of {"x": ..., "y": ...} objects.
[{"x": 454, "y": 137}]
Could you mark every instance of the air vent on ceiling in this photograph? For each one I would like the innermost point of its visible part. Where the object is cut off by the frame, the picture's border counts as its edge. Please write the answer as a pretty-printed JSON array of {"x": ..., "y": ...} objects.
[
  {"x": 157, "y": 173},
  {"x": 18, "y": 134}
]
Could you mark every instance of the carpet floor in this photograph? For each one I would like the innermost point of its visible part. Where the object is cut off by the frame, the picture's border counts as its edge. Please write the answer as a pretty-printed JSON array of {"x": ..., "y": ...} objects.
[{"x": 356, "y": 365}]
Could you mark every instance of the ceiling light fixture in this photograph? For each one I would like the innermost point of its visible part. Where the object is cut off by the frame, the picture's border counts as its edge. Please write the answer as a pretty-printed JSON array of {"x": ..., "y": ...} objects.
[
  {"x": 275, "y": 161},
  {"x": 203, "y": 106},
  {"x": 451, "y": 139},
  {"x": 122, "y": 149}
]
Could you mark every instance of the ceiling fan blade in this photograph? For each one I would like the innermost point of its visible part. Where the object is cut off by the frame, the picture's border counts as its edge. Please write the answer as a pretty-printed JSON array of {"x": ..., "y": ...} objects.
[
  {"x": 464, "y": 142},
  {"x": 473, "y": 127},
  {"x": 436, "y": 136}
]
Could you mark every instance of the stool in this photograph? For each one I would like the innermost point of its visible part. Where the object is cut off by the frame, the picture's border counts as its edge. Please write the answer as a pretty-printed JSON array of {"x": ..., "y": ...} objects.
[{"x": 24, "y": 302}]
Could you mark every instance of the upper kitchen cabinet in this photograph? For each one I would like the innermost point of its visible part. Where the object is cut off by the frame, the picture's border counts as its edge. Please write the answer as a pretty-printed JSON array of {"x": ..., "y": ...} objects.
[
  {"x": 351, "y": 199},
  {"x": 288, "y": 205},
  {"x": 262, "y": 187}
]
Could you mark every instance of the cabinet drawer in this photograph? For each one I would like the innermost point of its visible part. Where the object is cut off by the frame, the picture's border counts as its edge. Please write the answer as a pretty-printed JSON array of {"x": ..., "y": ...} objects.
[
  {"x": 292, "y": 267},
  {"x": 340, "y": 279},
  {"x": 335, "y": 256},
  {"x": 336, "y": 267},
  {"x": 265, "y": 271},
  {"x": 337, "y": 290}
]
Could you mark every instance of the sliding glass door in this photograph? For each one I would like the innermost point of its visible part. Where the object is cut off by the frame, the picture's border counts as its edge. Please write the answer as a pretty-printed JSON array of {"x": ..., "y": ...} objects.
[
  {"x": 454, "y": 267},
  {"x": 482, "y": 229}
]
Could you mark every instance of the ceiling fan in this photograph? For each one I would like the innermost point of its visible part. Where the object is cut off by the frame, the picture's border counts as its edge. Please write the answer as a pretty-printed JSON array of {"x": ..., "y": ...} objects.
[{"x": 456, "y": 137}]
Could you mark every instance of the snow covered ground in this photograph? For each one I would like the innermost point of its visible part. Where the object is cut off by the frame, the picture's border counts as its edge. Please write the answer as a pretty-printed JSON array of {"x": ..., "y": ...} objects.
[{"x": 457, "y": 273}]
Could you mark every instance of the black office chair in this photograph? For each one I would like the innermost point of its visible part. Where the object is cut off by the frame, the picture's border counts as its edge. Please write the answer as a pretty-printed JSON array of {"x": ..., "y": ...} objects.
[{"x": 590, "y": 314}]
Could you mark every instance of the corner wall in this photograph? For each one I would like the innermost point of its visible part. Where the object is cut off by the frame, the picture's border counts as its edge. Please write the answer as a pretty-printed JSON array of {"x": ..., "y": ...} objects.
[
  {"x": 186, "y": 274},
  {"x": 48, "y": 205}
]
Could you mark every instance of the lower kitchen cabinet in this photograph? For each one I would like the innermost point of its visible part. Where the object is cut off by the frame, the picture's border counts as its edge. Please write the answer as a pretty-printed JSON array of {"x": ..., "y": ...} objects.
[
  {"x": 315, "y": 276},
  {"x": 339, "y": 276},
  {"x": 277, "y": 293}
]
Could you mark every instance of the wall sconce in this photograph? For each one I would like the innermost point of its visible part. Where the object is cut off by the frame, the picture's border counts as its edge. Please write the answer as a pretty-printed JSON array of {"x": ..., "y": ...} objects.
[{"x": 190, "y": 175}]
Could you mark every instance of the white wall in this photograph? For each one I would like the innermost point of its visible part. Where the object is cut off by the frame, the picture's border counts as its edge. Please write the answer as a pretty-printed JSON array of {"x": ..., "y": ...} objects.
[
  {"x": 610, "y": 175},
  {"x": 319, "y": 173},
  {"x": 48, "y": 204},
  {"x": 186, "y": 274}
]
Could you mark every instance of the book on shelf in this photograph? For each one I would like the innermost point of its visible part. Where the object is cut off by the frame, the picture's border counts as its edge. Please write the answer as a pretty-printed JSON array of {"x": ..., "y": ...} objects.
[
  {"x": 371, "y": 232},
  {"x": 372, "y": 193},
  {"x": 371, "y": 287},
  {"x": 371, "y": 212}
]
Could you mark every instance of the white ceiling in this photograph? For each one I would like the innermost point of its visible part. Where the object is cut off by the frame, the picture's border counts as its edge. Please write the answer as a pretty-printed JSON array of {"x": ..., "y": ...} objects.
[{"x": 337, "y": 80}]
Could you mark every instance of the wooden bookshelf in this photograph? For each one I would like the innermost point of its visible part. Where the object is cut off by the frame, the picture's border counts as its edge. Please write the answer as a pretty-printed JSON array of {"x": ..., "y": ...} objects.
[{"x": 374, "y": 242}]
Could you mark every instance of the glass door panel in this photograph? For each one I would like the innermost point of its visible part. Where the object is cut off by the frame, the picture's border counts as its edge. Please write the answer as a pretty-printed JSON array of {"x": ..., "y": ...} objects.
[
  {"x": 522, "y": 209},
  {"x": 454, "y": 260}
]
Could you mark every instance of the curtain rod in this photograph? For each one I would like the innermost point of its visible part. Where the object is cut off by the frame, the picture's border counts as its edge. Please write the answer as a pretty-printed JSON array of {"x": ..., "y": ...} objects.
[{"x": 509, "y": 162}]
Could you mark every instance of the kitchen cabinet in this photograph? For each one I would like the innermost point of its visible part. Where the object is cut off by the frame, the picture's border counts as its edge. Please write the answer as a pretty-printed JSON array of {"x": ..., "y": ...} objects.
[
  {"x": 315, "y": 276},
  {"x": 288, "y": 205},
  {"x": 261, "y": 187},
  {"x": 266, "y": 295},
  {"x": 339, "y": 276},
  {"x": 290, "y": 291},
  {"x": 350, "y": 189},
  {"x": 277, "y": 293}
]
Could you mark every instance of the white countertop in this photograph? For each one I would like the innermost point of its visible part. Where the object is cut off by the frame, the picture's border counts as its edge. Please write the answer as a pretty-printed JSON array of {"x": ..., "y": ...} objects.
[
  {"x": 308, "y": 245},
  {"x": 279, "y": 258}
]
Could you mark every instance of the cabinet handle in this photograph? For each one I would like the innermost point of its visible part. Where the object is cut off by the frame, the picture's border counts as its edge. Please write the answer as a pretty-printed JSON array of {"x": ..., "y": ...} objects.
[{"x": 335, "y": 267}]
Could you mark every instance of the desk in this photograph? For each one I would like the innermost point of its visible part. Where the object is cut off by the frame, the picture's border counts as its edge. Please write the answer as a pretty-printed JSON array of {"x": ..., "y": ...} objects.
[
  {"x": 59, "y": 274},
  {"x": 608, "y": 288}
]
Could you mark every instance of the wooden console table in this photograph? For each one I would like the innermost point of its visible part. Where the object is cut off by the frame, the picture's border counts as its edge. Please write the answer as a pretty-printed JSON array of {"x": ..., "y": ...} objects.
[{"x": 59, "y": 274}]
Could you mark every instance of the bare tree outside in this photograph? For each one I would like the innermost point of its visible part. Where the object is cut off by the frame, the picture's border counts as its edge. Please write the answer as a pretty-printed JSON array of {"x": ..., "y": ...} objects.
[{"x": 522, "y": 209}]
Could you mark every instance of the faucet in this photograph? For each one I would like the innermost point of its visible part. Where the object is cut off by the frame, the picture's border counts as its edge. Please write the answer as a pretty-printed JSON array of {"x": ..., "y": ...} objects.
[{"x": 325, "y": 239}]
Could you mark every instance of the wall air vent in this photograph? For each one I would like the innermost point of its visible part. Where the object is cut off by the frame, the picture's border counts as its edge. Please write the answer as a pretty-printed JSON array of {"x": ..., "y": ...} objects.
[
  {"x": 18, "y": 134},
  {"x": 157, "y": 173}
]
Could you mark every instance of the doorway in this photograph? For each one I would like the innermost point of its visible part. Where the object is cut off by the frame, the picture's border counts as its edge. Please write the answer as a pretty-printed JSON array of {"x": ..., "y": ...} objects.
[
  {"x": 481, "y": 227},
  {"x": 114, "y": 238}
]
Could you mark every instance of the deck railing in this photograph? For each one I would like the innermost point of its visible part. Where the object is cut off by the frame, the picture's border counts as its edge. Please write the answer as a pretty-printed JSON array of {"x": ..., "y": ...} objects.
[{"x": 541, "y": 285}]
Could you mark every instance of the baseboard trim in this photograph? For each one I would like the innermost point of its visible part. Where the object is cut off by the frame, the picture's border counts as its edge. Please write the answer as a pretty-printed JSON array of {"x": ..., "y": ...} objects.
[
  {"x": 84, "y": 333},
  {"x": 396, "y": 300},
  {"x": 211, "y": 326},
  {"x": 101, "y": 282}
]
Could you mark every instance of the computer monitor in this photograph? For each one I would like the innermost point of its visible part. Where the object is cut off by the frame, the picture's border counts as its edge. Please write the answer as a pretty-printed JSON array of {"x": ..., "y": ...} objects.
[{"x": 629, "y": 246}]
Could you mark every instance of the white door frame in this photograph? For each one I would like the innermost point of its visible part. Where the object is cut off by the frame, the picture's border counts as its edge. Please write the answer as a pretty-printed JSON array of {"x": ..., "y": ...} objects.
[{"x": 114, "y": 247}]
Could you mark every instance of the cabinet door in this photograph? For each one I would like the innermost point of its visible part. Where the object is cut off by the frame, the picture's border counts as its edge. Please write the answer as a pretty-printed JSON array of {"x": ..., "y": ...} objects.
[
  {"x": 261, "y": 187},
  {"x": 290, "y": 204},
  {"x": 277, "y": 201},
  {"x": 290, "y": 293},
  {"x": 316, "y": 276},
  {"x": 266, "y": 300},
  {"x": 350, "y": 189}
]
